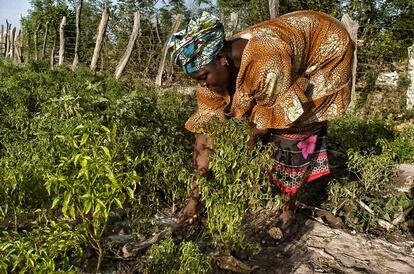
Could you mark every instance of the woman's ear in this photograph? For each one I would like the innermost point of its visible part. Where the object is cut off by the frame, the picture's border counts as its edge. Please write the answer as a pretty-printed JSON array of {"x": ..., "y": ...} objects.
[{"x": 222, "y": 60}]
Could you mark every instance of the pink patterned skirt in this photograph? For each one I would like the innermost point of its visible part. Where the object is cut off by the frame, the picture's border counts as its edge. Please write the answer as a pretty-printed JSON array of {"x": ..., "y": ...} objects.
[{"x": 301, "y": 156}]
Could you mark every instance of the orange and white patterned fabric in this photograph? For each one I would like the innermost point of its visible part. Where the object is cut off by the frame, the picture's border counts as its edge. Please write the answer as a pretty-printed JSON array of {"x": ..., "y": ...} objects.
[{"x": 295, "y": 70}]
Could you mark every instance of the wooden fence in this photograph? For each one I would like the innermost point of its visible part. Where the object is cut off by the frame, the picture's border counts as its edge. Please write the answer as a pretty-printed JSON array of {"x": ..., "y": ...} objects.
[{"x": 11, "y": 43}]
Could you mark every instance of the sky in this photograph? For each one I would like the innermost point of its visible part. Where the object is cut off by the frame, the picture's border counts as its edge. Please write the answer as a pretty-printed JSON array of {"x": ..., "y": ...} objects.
[{"x": 11, "y": 10}]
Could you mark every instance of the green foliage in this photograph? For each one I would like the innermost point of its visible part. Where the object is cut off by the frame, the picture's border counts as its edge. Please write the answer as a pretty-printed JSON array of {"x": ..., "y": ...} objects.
[
  {"x": 236, "y": 185},
  {"x": 375, "y": 143},
  {"x": 350, "y": 201},
  {"x": 347, "y": 132},
  {"x": 374, "y": 171},
  {"x": 92, "y": 180},
  {"x": 44, "y": 249},
  {"x": 83, "y": 145},
  {"x": 185, "y": 258}
]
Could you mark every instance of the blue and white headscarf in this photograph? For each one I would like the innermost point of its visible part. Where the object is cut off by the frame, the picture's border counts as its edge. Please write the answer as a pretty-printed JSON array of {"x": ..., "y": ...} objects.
[{"x": 198, "y": 44}]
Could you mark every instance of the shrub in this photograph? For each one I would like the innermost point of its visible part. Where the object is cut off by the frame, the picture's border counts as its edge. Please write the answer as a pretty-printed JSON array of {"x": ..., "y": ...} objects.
[{"x": 45, "y": 249}]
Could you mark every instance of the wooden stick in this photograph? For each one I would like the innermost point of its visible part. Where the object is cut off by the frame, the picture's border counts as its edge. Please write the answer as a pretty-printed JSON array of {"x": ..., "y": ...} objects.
[
  {"x": 158, "y": 80},
  {"x": 122, "y": 64},
  {"x": 78, "y": 15},
  {"x": 273, "y": 8},
  {"x": 62, "y": 41},
  {"x": 352, "y": 27},
  {"x": 45, "y": 39},
  {"x": 12, "y": 40},
  {"x": 36, "y": 33},
  {"x": 100, "y": 37}
]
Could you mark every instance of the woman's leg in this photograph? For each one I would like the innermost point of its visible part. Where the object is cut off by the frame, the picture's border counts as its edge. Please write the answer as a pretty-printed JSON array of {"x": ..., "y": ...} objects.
[{"x": 288, "y": 210}]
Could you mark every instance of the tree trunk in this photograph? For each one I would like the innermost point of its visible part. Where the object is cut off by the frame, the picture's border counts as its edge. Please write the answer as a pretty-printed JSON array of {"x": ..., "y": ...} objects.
[
  {"x": 273, "y": 8},
  {"x": 158, "y": 80},
  {"x": 352, "y": 27},
  {"x": 78, "y": 16},
  {"x": 234, "y": 21},
  {"x": 317, "y": 248},
  {"x": 121, "y": 66},
  {"x": 45, "y": 40},
  {"x": 410, "y": 91},
  {"x": 100, "y": 37},
  {"x": 36, "y": 33},
  {"x": 12, "y": 40},
  {"x": 62, "y": 40},
  {"x": 52, "y": 54}
]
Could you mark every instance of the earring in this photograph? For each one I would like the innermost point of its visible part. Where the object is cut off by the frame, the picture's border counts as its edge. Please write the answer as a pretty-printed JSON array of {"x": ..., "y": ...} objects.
[{"x": 226, "y": 63}]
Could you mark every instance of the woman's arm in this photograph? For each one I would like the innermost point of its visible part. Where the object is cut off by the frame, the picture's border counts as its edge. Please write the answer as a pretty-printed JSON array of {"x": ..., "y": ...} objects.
[{"x": 200, "y": 154}]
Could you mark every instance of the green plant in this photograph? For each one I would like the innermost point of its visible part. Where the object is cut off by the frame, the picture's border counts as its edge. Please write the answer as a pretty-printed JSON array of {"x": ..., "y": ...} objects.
[
  {"x": 46, "y": 249},
  {"x": 374, "y": 172},
  {"x": 238, "y": 183},
  {"x": 92, "y": 180},
  {"x": 185, "y": 258}
]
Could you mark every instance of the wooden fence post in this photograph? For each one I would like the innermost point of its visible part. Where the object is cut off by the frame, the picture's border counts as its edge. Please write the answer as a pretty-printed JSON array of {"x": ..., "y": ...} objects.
[
  {"x": 410, "y": 90},
  {"x": 158, "y": 80},
  {"x": 273, "y": 8},
  {"x": 7, "y": 39},
  {"x": 2, "y": 38},
  {"x": 21, "y": 41},
  {"x": 352, "y": 27},
  {"x": 62, "y": 41},
  {"x": 100, "y": 37},
  {"x": 234, "y": 21},
  {"x": 12, "y": 39},
  {"x": 17, "y": 52},
  {"x": 121, "y": 66},
  {"x": 36, "y": 33},
  {"x": 52, "y": 53},
  {"x": 45, "y": 39},
  {"x": 78, "y": 15}
]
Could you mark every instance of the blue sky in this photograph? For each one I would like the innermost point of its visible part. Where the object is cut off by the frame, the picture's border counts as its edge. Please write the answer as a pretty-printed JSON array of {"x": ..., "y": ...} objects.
[{"x": 11, "y": 10}]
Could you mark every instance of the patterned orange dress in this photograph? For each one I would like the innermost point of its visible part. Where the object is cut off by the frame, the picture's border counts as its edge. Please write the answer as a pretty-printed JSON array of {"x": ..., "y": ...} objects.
[{"x": 295, "y": 75}]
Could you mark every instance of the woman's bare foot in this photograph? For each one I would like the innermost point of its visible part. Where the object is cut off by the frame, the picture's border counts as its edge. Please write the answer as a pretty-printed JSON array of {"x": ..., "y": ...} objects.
[{"x": 285, "y": 226}]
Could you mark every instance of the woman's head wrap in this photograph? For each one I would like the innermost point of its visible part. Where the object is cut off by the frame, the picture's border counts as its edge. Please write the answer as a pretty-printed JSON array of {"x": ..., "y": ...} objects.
[{"x": 198, "y": 44}]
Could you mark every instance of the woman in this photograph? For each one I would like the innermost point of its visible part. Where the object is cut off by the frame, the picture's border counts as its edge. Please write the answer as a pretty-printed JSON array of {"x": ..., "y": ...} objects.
[{"x": 287, "y": 77}]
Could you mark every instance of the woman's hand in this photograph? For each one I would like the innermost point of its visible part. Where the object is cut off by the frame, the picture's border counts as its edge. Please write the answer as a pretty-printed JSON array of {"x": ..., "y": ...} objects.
[
  {"x": 200, "y": 161},
  {"x": 255, "y": 135}
]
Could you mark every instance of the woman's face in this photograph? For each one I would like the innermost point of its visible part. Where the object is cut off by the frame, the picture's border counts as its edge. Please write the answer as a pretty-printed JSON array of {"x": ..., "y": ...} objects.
[{"x": 215, "y": 76}]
